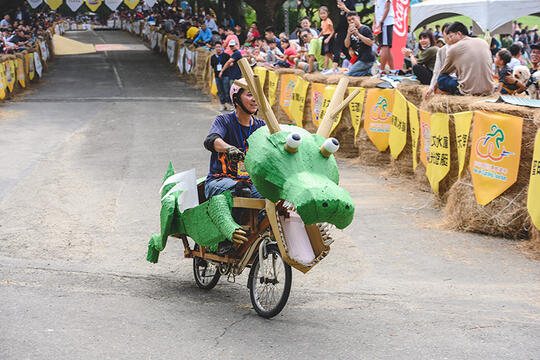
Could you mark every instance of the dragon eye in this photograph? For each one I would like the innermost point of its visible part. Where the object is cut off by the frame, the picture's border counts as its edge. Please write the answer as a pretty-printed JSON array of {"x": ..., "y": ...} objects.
[
  {"x": 293, "y": 142},
  {"x": 330, "y": 146}
]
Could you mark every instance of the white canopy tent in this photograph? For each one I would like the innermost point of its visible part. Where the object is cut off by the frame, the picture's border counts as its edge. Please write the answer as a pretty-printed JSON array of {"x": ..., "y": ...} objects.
[{"x": 487, "y": 15}]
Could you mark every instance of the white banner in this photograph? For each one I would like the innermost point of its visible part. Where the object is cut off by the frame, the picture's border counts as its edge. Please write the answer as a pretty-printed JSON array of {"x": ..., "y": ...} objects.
[
  {"x": 154, "y": 38},
  {"x": 160, "y": 41},
  {"x": 150, "y": 3},
  {"x": 74, "y": 5},
  {"x": 35, "y": 3},
  {"x": 37, "y": 63},
  {"x": 171, "y": 45},
  {"x": 44, "y": 50},
  {"x": 180, "y": 62},
  {"x": 189, "y": 61},
  {"x": 113, "y": 4}
]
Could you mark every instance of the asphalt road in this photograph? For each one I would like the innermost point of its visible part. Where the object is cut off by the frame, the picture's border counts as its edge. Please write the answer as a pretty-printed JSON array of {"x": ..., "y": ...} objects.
[{"x": 82, "y": 159}]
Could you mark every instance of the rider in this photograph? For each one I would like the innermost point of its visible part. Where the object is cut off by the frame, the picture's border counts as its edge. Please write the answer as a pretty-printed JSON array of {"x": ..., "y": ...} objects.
[{"x": 227, "y": 140}]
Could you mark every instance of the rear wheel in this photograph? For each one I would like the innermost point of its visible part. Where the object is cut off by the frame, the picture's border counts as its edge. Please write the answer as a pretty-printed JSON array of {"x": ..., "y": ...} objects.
[
  {"x": 269, "y": 291},
  {"x": 206, "y": 273}
]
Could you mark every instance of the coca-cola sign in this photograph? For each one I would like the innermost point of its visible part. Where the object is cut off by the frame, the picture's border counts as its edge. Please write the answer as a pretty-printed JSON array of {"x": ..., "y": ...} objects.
[{"x": 401, "y": 17}]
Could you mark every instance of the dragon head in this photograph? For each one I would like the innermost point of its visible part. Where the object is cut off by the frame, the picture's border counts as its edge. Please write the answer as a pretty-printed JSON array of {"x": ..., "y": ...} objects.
[{"x": 296, "y": 166}]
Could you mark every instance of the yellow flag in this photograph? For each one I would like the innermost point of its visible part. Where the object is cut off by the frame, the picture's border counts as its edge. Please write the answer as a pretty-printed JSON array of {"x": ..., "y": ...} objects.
[
  {"x": 414, "y": 130},
  {"x": 261, "y": 72},
  {"x": 288, "y": 82},
  {"x": 299, "y": 100},
  {"x": 463, "y": 128},
  {"x": 273, "y": 79},
  {"x": 213, "y": 87},
  {"x": 20, "y": 73},
  {"x": 378, "y": 118},
  {"x": 93, "y": 5},
  {"x": 425, "y": 136},
  {"x": 30, "y": 63},
  {"x": 329, "y": 91},
  {"x": 54, "y": 4},
  {"x": 10, "y": 75},
  {"x": 356, "y": 106},
  {"x": 131, "y": 3},
  {"x": 495, "y": 153},
  {"x": 2, "y": 83},
  {"x": 398, "y": 131},
  {"x": 439, "y": 155},
  {"x": 533, "y": 197},
  {"x": 169, "y": 2},
  {"x": 317, "y": 94}
]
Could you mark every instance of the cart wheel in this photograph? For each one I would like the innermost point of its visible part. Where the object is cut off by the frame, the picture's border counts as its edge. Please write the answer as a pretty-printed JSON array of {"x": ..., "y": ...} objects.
[
  {"x": 206, "y": 274},
  {"x": 270, "y": 291}
]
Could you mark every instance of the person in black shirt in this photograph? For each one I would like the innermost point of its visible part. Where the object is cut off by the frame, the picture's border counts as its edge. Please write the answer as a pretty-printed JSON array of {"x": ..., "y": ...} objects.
[
  {"x": 239, "y": 32},
  {"x": 223, "y": 83},
  {"x": 360, "y": 40},
  {"x": 345, "y": 7}
]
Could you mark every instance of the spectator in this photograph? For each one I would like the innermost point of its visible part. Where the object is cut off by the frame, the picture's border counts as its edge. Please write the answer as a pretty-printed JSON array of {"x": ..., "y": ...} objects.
[
  {"x": 305, "y": 24},
  {"x": 535, "y": 57},
  {"x": 230, "y": 36},
  {"x": 383, "y": 26},
  {"x": 440, "y": 43},
  {"x": 411, "y": 40},
  {"x": 314, "y": 56},
  {"x": 269, "y": 34},
  {"x": 210, "y": 23},
  {"x": 423, "y": 66},
  {"x": 345, "y": 7},
  {"x": 240, "y": 34},
  {"x": 229, "y": 21},
  {"x": 360, "y": 40},
  {"x": 502, "y": 59},
  {"x": 5, "y": 23},
  {"x": 524, "y": 39},
  {"x": 471, "y": 60},
  {"x": 506, "y": 41},
  {"x": 515, "y": 52},
  {"x": 254, "y": 31},
  {"x": 218, "y": 61},
  {"x": 494, "y": 46},
  {"x": 437, "y": 33},
  {"x": 232, "y": 63},
  {"x": 289, "y": 55},
  {"x": 326, "y": 35},
  {"x": 192, "y": 31},
  {"x": 204, "y": 37}
]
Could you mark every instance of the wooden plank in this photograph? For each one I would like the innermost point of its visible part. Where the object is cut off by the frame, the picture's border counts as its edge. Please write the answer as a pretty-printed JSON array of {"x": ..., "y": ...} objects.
[{"x": 248, "y": 203}]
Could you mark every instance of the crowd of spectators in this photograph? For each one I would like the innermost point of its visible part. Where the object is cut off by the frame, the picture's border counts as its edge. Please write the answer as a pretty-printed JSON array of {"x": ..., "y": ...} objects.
[
  {"x": 20, "y": 29},
  {"x": 448, "y": 58}
]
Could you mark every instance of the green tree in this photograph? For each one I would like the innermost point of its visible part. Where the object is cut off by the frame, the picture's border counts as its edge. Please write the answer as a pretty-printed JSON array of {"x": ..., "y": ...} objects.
[{"x": 267, "y": 12}]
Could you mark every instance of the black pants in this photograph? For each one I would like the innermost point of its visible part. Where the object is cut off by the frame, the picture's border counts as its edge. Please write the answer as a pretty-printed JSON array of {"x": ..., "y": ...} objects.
[
  {"x": 423, "y": 74},
  {"x": 339, "y": 46}
]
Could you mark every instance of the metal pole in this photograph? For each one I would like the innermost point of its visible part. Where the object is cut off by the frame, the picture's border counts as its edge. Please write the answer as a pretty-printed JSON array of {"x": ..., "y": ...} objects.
[{"x": 286, "y": 16}]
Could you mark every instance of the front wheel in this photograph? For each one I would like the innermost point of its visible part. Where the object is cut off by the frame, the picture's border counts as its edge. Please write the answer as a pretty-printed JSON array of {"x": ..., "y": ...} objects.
[
  {"x": 269, "y": 291},
  {"x": 206, "y": 274}
]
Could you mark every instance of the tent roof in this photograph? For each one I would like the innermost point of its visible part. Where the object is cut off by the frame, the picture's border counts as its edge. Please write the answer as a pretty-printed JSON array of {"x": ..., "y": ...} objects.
[{"x": 488, "y": 14}]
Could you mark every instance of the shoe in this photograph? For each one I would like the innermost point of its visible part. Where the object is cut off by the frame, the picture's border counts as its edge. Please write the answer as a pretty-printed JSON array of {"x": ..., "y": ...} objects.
[
  {"x": 225, "y": 247},
  {"x": 224, "y": 107},
  {"x": 242, "y": 189}
]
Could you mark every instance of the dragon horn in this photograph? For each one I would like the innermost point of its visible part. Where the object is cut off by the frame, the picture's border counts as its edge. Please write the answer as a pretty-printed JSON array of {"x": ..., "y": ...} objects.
[{"x": 255, "y": 86}]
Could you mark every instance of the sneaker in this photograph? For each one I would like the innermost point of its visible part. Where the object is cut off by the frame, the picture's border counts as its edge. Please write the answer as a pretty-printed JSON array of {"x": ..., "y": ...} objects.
[{"x": 225, "y": 247}]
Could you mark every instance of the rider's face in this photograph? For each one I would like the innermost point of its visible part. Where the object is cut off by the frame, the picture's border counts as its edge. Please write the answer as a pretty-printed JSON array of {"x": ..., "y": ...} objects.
[{"x": 248, "y": 100}]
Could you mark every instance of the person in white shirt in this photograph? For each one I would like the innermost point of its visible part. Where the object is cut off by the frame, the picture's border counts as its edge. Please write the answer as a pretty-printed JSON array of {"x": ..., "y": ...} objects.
[
  {"x": 515, "y": 50},
  {"x": 383, "y": 27},
  {"x": 5, "y": 22},
  {"x": 210, "y": 23}
]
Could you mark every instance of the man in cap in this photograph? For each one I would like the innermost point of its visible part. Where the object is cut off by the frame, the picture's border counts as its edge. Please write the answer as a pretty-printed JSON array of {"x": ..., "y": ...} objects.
[{"x": 232, "y": 63}]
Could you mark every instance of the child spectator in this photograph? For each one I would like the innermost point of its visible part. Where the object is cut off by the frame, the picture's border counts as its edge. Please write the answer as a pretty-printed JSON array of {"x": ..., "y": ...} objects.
[
  {"x": 327, "y": 35},
  {"x": 273, "y": 53},
  {"x": 230, "y": 36},
  {"x": 502, "y": 59},
  {"x": 269, "y": 34},
  {"x": 289, "y": 55},
  {"x": 515, "y": 51}
]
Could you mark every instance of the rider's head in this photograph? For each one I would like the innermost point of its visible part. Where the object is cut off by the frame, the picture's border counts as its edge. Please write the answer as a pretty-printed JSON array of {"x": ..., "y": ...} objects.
[{"x": 243, "y": 100}]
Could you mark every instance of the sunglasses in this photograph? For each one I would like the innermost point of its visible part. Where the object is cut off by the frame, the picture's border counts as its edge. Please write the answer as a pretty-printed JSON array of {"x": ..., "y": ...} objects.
[{"x": 304, "y": 36}]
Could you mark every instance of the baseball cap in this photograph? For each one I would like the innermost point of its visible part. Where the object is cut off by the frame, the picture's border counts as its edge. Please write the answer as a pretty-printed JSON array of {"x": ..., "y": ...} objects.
[{"x": 232, "y": 43}]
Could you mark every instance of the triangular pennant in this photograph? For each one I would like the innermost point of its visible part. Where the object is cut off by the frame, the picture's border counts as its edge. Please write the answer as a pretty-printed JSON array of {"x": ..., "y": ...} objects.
[
  {"x": 74, "y": 5},
  {"x": 93, "y": 5},
  {"x": 54, "y": 4},
  {"x": 113, "y": 4}
]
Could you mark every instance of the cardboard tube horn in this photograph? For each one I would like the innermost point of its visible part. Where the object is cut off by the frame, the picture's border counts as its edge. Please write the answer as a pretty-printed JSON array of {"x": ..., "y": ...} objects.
[
  {"x": 254, "y": 85},
  {"x": 337, "y": 104}
]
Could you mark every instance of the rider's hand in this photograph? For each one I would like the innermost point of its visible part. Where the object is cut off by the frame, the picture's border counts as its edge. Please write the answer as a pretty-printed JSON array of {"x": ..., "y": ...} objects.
[{"x": 234, "y": 153}]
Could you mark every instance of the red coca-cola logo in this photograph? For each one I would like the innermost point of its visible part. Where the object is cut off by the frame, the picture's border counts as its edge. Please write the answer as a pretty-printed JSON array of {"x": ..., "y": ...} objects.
[{"x": 401, "y": 15}]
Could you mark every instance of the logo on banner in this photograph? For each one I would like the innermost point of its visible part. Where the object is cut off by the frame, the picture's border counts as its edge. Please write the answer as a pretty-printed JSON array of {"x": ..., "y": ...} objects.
[
  {"x": 489, "y": 145},
  {"x": 288, "y": 93},
  {"x": 379, "y": 112},
  {"x": 317, "y": 102}
]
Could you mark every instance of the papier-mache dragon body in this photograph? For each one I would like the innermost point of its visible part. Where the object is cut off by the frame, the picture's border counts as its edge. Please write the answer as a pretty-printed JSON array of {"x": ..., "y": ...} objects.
[{"x": 285, "y": 163}]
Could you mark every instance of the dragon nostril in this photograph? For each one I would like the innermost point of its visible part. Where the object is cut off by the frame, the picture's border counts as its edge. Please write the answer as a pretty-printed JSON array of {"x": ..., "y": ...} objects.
[
  {"x": 347, "y": 207},
  {"x": 324, "y": 204}
]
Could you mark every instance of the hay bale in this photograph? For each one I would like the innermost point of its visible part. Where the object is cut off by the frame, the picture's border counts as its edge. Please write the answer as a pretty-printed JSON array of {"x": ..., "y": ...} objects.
[
  {"x": 413, "y": 93},
  {"x": 403, "y": 165},
  {"x": 368, "y": 154},
  {"x": 450, "y": 104},
  {"x": 504, "y": 216},
  {"x": 315, "y": 78}
]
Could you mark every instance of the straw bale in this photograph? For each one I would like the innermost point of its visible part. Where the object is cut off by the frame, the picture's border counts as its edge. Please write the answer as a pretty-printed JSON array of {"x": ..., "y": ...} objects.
[
  {"x": 368, "y": 154},
  {"x": 450, "y": 104},
  {"x": 521, "y": 111},
  {"x": 504, "y": 216},
  {"x": 369, "y": 82},
  {"x": 403, "y": 165},
  {"x": 315, "y": 78},
  {"x": 420, "y": 177},
  {"x": 289, "y": 71},
  {"x": 413, "y": 93}
]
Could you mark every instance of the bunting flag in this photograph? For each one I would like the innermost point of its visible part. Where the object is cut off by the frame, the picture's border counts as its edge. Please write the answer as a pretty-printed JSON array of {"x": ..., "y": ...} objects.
[
  {"x": 273, "y": 79},
  {"x": 3, "y": 83},
  {"x": 180, "y": 62},
  {"x": 495, "y": 153},
  {"x": 132, "y": 4},
  {"x": 38, "y": 65},
  {"x": 150, "y": 3},
  {"x": 74, "y": 5},
  {"x": 34, "y": 3},
  {"x": 356, "y": 107},
  {"x": 21, "y": 77},
  {"x": 414, "y": 130},
  {"x": 288, "y": 82},
  {"x": 425, "y": 136},
  {"x": 169, "y": 2},
  {"x": 462, "y": 121},
  {"x": 317, "y": 94},
  {"x": 113, "y": 4},
  {"x": 299, "y": 101},
  {"x": 10, "y": 71},
  {"x": 439, "y": 155},
  {"x": 398, "y": 130},
  {"x": 93, "y": 5},
  {"x": 260, "y": 71},
  {"x": 329, "y": 91},
  {"x": 30, "y": 63},
  {"x": 533, "y": 203},
  {"x": 378, "y": 118},
  {"x": 171, "y": 47},
  {"x": 213, "y": 86},
  {"x": 54, "y": 4}
]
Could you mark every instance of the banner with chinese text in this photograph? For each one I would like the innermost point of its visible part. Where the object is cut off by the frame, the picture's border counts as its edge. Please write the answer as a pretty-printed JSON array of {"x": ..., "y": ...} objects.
[
  {"x": 533, "y": 197},
  {"x": 356, "y": 107},
  {"x": 299, "y": 101},
  {"x": 414, "y": 130},
  {"x": 398, "y": 131},
  {"x": 378, "y": 116},
  {"x": 288, "y": 82},
  {"x": 439, "y": 154},
  {"x": 317, "y": 94},
  {"x": 462, "y": 121}
]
